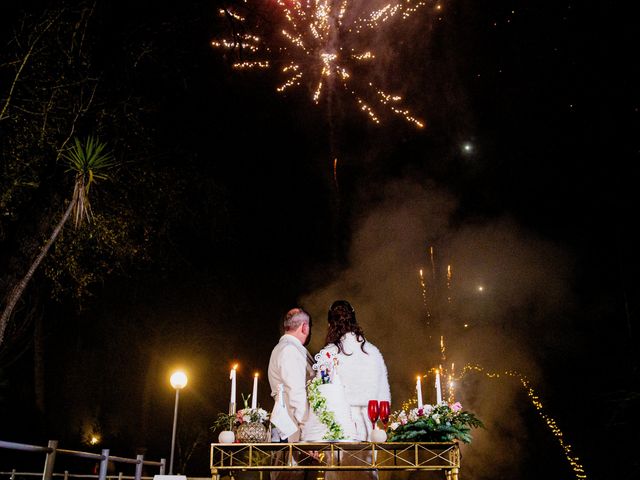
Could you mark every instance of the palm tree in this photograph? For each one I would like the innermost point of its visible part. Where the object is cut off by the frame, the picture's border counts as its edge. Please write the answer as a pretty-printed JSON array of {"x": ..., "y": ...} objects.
[{"x": 89, "y": 162}]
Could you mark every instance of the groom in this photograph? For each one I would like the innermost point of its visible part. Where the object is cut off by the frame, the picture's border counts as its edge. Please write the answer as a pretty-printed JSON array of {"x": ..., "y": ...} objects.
[{"x": 290, "y": 365}]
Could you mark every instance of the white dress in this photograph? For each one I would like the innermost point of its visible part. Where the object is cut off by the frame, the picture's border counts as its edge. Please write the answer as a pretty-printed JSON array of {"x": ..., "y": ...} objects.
[{"x": 364, "y": 375}]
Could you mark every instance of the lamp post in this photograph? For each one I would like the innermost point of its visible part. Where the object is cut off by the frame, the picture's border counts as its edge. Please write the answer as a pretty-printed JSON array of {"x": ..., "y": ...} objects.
[{"x": 178, "y": 381}]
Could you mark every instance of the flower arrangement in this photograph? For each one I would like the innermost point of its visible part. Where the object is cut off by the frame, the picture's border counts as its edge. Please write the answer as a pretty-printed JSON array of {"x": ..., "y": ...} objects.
[
  {"x": 229, "y": 421},
  {"x": 225, "y": 421},
  {"x": 433, "y": 423},
  {"x": 251, "y": 415}
]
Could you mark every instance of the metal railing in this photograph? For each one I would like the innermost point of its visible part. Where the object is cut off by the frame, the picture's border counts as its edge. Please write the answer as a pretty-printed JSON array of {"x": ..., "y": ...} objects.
[{"x": 52, "y": 450}]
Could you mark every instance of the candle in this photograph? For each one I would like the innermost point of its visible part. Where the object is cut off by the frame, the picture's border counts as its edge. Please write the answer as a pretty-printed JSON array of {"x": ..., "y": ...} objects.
[
  {"x": 232, "y": 401},
  {"x": 254, "y": 395},
  {"x": 419, "y": 390},
  {"x": 438, "y": 388}
]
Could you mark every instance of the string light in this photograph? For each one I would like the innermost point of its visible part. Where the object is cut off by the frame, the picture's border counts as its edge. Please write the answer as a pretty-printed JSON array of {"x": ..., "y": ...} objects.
[{"x": 551, "y": 424}]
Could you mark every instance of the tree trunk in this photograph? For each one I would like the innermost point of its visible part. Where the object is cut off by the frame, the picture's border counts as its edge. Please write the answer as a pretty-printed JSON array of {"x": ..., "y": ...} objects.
[{"x": 16, "y": 293}]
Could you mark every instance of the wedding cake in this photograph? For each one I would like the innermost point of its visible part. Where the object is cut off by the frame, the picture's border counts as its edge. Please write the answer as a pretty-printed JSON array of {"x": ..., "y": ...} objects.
[{"x": 330, "y": 416}]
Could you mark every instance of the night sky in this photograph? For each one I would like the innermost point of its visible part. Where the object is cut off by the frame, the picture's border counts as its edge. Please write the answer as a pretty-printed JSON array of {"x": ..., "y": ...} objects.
[{"x": 234, "y": 202}]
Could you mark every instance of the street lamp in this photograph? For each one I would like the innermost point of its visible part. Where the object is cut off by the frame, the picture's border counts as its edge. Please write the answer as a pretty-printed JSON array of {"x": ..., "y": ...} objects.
[{"x": 178, "y": 381}]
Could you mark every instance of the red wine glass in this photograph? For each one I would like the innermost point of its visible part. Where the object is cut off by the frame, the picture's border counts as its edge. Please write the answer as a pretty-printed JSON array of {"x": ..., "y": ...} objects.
[
  {"x": 373, "y": 410},
  {"x": 384, "y": 412}
]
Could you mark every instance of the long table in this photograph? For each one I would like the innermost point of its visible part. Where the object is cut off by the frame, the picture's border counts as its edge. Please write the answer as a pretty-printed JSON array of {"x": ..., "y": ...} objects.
[{"x": 232, "y": 458}]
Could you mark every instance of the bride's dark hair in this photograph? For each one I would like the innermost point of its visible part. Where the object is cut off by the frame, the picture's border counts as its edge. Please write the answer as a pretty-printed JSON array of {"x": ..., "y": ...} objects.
[{"x": 342, "y": 320}]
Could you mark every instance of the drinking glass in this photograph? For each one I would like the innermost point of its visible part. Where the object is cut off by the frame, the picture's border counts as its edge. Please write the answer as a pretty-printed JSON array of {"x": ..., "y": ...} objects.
[
  {"x": 384, "y": 412},
  {"x": 373, "y": 410}
]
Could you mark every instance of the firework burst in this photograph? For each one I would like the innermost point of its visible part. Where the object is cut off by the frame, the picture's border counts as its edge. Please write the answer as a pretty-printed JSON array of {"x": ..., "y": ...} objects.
[{"x": 324, "y": 45}]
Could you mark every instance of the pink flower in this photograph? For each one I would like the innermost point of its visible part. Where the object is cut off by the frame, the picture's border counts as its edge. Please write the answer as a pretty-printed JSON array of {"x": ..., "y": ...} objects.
[{"x": 456, "y": 407}]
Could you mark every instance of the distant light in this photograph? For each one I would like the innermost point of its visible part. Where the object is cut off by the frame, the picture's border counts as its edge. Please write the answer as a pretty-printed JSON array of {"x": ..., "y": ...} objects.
[
  {"x": 467, "y": 147},
  {"x": 94, "y": 440},
  {"x": 466, "y": 325},
  {"x": 480, "y": 288},
  {"x": 178, "y": 380}
]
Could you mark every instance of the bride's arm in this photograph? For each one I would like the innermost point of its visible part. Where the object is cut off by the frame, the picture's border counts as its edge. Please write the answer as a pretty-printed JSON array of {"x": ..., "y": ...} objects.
[{"x": 384, "y": 391}]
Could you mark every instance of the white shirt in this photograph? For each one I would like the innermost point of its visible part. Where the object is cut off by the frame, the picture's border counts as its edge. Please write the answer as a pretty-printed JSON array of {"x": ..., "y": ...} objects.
[{"x": 290, "y": 365}]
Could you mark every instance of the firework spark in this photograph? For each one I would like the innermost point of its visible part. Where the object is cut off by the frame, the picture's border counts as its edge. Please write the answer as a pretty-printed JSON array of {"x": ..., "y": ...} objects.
[
  {"x": 318, "y": 45},
  {"x": 424, "y": 298}
]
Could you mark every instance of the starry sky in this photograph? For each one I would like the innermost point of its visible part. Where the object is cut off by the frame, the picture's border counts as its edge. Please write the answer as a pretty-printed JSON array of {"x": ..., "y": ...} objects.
[{"x": 522, "y": 181}]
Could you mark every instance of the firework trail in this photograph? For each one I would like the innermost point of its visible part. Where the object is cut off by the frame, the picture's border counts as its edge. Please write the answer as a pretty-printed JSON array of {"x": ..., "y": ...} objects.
[
  {"x": 433, "y": 265},
  {"x": 424, "y": 298}
]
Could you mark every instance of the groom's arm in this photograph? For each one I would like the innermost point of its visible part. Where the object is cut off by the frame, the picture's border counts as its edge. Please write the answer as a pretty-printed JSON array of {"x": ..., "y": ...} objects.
[{"x": 293, "y": 367}]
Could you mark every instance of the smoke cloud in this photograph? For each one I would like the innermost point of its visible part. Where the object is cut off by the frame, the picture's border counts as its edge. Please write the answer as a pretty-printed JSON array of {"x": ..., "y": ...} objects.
[{"x": 500, "y": 302}]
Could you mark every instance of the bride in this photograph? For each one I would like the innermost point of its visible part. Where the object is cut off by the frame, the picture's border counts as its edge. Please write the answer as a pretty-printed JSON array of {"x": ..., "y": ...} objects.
[{"x": 362, "y": 370}]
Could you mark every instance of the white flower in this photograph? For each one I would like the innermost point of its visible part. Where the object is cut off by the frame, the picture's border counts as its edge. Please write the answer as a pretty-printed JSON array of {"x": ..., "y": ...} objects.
[
  {"x": 402, "y": 417},
  {"x": 436, "y": 418},
  {"x": 427, "y": 409}
]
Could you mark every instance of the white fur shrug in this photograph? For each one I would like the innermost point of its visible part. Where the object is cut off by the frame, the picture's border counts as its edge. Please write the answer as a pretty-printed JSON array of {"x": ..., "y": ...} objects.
[{"x": 363, "y": 374}]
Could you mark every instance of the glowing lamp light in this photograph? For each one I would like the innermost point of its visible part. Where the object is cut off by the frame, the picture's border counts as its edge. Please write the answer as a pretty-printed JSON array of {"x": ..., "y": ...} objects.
[
  {"x": 94, "y": 440},
  {"x": 178, "y": 380},
  {"x": 480, "y": 288}
]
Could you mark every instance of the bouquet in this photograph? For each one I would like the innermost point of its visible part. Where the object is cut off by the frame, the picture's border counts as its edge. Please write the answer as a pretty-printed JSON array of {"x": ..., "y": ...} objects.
[{"x": 432, "y": 423}]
